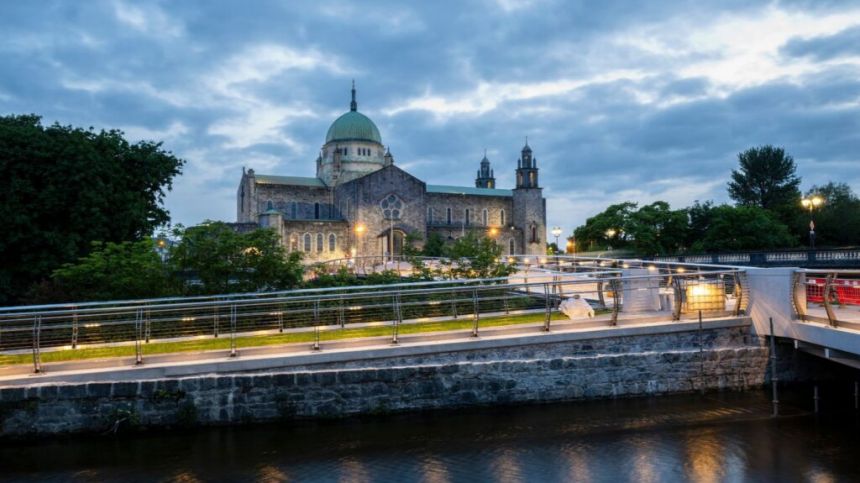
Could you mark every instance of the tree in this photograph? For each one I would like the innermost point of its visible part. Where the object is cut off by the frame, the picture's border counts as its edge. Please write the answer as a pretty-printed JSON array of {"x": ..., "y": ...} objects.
[
  {"x": 594, "y": 233},
  {"x": 743, "y": 228},
  {"x": 434, "y": 246},
  {"x": 225, "y": 261},
  {"x": 62, "y": 188},
  {"x": 766, "y": 179},
  {"x": 477, "y": 257},
  {"x": 656, "y": 229},
  {"x": 837, "y": 222},
  {"x": 111, "y": 271}
]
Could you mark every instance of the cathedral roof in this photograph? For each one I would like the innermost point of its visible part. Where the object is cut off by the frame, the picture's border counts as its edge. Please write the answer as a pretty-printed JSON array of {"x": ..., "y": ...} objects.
[
  {"x": 353, "y": 126},
  {"x": 289, "y": 180},
  {"x": 467, "y": 190}
]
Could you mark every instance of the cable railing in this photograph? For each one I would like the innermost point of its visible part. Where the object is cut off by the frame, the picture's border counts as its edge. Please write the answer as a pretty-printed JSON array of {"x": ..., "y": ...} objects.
[
  {"x": 540, "y": 294},
  {"x": 830, "y": 296}
]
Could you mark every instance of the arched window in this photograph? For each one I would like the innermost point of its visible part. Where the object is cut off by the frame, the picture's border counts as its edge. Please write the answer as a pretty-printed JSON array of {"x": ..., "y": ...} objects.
[
  {"x": 320, "y": 242},
  {"x": 467, "y": 216},
  {"x": 316, "y": 211},
  {"x": 429, "y": 215},
  {"x": 502, "y": 217},
  {"x": 307, "y": 242},
  {"x": 294, "y": 210},
  {"x": 270, "y": 205},
  {"x": 332, "y": 242},
  {"x": 485, "y": 217},
  {"x": 511, "y": 246},
  {"x": 448, "y": 215}
]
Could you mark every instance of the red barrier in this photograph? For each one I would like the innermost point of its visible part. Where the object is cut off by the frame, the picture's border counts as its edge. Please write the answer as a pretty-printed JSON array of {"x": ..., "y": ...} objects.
[{"x": 847, "y": 291}]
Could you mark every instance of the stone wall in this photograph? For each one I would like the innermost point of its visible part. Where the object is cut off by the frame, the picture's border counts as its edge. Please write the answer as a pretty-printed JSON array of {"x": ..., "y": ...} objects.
[{"x": 603, "y": 368}]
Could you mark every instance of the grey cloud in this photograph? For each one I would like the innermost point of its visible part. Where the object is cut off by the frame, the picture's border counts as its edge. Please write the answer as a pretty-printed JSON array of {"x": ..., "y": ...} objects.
[{"x": 844, "y": 43}]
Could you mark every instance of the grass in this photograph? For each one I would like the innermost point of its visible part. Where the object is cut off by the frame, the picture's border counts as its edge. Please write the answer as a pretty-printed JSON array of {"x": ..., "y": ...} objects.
[{"x": 223, "y": 343}]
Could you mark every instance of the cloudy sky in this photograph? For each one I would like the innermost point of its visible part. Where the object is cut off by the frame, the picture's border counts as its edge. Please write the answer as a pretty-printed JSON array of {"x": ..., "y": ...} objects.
[{"x": 620, "y": 100}]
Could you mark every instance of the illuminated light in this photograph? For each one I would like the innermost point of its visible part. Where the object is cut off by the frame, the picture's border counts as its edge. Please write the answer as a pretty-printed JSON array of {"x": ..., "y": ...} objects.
[
  {"x": 352, "y": 251},
  {"x": 187, "y": 319},
  {"x": 705, "y": 297},
  {"x": 355, "y": 307},
  {"x": 542, "y": 261},
  {"x": 360, "y": 228},
  {"x": 92, "y": 325},
  {"x": 434, "y": 302},
  {"x": 625, "y": 265},
  {"x": 680, "y": 270},
  {"x": 494, "y": 231},
  {"x": 652, "y": 268},
  {"x": 510, "y": 259}
]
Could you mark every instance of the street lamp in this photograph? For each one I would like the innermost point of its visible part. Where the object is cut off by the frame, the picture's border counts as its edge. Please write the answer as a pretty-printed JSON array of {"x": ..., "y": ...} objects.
[
  {"x": 609, "y": 234},
  {"x": 556, "y": 232},
  {"x": 811, "y": 204}
]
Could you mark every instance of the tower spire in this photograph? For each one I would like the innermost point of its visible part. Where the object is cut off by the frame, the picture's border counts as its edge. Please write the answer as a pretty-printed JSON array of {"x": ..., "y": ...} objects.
[{"x": 353, "y": 106}]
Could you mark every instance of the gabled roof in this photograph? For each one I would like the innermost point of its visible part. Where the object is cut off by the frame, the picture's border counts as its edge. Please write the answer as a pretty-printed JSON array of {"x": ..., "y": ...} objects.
[
  {"x": 468, "y": 190},
  {"x": 289, "y": 180}
]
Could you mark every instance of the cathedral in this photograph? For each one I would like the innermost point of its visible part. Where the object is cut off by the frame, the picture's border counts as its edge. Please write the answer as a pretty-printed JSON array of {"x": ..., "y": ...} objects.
[{"x": 361, "y": 203}]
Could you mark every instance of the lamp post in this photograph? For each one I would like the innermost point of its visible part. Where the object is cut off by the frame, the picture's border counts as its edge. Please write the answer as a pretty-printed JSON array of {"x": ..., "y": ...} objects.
[
  {"x": 811, "y": 204},
  {"x": 609, "y": 234},
  {"x": 556, "y": 232}
]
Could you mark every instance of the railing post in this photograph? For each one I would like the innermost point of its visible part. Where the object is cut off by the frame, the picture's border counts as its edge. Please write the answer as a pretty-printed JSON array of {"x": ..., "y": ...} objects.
[
  {"x": 505, "y": 301},
  {"x": 215, "y": 320},
  {"x": 679, "y": 296},
  {"x": 476, "y": 315},
  {"x": 398, "y": 317},
  {"x": 701, "y": 356},
  {"x": 454, "y": 303},
  {"x": 147, "y": 325},
  {"x": 233, "y": 351},
  {"x": 280, "y": 320},
  {"x": 138, "y": 330},
  {"x": 616, "y": 305},
  {"x": 600, "y": 298},
  {"x": 316, "y": 345},
  {"x": 828, "y": 286},
  {"x": 340, "y": 313},
  {"x": 37, "y": 344},
  {"x": 75, "y": 329},
  {"x": 548, "y": 316}
]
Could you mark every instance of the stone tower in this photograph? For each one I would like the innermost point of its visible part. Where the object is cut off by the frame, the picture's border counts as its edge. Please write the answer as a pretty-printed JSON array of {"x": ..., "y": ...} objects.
[
  {"x": 528, "y": 204},
  {"x": 485, "y": 177}
]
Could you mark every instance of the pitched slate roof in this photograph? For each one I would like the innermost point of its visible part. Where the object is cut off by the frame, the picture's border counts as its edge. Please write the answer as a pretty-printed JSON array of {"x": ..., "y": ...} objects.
[
  {"x": 469, "y": 190},
  {"x": 289, "y": 180}
]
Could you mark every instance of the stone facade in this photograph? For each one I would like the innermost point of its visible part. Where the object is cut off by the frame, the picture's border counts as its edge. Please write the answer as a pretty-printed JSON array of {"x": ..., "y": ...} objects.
[
  {"x": 729, "y": 358},
  {"x": 355, "y": 174}
]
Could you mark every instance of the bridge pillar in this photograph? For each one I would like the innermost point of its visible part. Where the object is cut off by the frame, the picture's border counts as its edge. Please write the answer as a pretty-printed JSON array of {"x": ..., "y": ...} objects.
[{"x": 771, "y": 291}]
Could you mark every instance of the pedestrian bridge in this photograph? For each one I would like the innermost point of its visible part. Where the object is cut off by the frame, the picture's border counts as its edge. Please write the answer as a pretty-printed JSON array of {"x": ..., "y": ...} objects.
[{"x": 818, "y": 310}]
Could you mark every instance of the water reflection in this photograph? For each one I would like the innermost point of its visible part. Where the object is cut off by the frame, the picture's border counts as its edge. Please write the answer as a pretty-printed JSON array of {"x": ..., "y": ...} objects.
[{"x": 724, "y": 438}]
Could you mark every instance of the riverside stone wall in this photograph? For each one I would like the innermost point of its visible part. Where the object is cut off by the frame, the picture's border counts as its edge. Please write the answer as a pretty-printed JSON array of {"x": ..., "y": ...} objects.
[{"x": 602, "y": 368}]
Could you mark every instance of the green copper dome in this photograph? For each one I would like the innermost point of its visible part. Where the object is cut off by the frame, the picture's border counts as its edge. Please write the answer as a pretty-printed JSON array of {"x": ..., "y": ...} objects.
[{"x": 353, "y": 126}]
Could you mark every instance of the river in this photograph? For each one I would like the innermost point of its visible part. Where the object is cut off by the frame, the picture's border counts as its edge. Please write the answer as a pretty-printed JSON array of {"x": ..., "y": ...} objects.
[{"x": 715, "y": 437}]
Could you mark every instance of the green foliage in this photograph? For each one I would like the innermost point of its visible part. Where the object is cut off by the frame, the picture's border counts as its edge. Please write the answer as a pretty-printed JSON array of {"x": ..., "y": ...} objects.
[
  {"x": 62, "y": 188},
  {"x": 743, "y": 228},
  {"x": 477, "y": 258},
  {"x": 656, "y": 229},
  {"x": 593, "y": 235},
  {"x": 837, "y": 222},
  {"x": 114, "y": 271},
  {"x": 434, "y": 246},
  {"x": 225, "y": 261},
  {"x": 766, "y": 178}
]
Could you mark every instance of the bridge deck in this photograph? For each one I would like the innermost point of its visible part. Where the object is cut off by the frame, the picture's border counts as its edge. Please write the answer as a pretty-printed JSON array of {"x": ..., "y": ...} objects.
[{"x": 292, "y": 355}]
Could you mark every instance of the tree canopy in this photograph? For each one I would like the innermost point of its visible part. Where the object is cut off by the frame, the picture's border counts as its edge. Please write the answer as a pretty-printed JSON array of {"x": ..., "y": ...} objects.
[
  {"x": 837, "y": 221},
  {"x": 766, "y": 178},
  {"x": 226, "y": 261},
  {"x": 63, "y": 188}
]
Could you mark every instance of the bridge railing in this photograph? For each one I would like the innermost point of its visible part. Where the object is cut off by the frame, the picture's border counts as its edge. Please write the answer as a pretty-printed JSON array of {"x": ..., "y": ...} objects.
[
  {"x": 614, "y": 295},
  {"x": 776, "y": 258},
  {"x": 831, "y": 296}
]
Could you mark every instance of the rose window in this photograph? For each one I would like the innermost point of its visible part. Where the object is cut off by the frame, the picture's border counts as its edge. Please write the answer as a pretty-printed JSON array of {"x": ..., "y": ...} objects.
[{"x": 392, "y": 207}]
